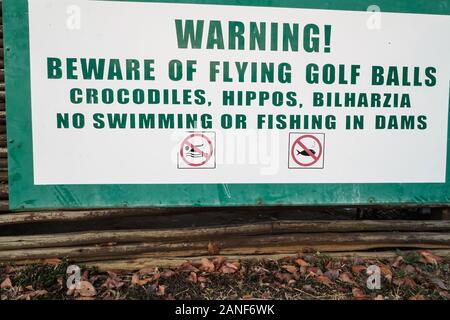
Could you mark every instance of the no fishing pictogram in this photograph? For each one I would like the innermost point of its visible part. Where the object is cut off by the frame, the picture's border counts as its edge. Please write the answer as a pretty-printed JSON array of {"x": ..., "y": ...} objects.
[{"x": 306, "y": 150}]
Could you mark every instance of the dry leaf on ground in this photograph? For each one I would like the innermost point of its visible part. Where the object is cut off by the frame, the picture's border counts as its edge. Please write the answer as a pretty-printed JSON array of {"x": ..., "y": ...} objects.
[
  {"x": 358, "y": 268},
  {"x": 6, "y": 284},
  {"x": 430, "y": 257},
  {"x": 86, "y": 289},
  {"x": 290, "y": 269},
  {"x": 347, "y": 278},
  {"x": 228, "y": 268},
  {"x": 302, "y": 263},
  {"x": 192, "y": 277},
  {"x": 358, "y": 294},
  {"x": 417, "y": 297},
  {"x": 161, "y": 290},
  {"x": 397, "y": 262},
  {"x": 386, "y": 272},
  {"x": 187, "y": 267},
  {"x": 405, "y": 282},
  {"x": 439, "y": 283},
  {"x": 207, "y": 265},
  {"x": 324, "y": 280}
]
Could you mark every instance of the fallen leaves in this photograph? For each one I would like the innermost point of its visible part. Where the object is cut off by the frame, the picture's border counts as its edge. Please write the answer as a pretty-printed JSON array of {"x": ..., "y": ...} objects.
[
  {"x": 314, "y": 272},
  {"x": 386, "y": 272},
  {"x": 52, "y": 261},
  {"x": 6, "y": 284},
  {"x": 409, "y": 269},
  {"x": 161, "y": 290},
  {"x": 358, "y": 294},
  {"x": 417, "y": 297},
  {"x": 398, "y": 260},
  {"x": 113, "y": 282},
  {"x": 86, "y": 289},
  {"x": 290, "y": 269},
  {"x": 358, "y": 269},
  {"x": 32, "y": 294},
  {"x": 229, "y": 268},
  {"x": 333, "y": 274},
  {"x": 192, "y": 277},
  {"x": 283, "y": 277},
  {"x": 302, "y": 263},
  {"x": 430, "y": 258},
  {"x": 137, "y": 281},
  {"x": 207, "y": 265},
  {"x": 324, "y": 280},
  {"x": 167, "y": 274},
  {"x": 310, "y": 276},
  {"x": 406, "y": 282},
  {"x": 439, "y": 283},
  {"x": 187, "y": 267},
  {"x": 346, "y": 277}
]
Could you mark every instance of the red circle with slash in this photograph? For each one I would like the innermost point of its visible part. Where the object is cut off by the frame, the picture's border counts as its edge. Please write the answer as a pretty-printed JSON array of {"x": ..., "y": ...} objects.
[
  {"x": 314, "y": 157},
  {"x": 186, "y": 142}
]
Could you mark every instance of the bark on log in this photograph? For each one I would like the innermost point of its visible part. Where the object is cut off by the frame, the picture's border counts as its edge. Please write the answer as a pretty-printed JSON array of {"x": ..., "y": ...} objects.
[
  {"x": 3, "y": 152},
  {"x": 140, "y": 263},
  {"x": 276, "y": 244},
  {"x": 3, "y": 141},
  {"x": 215, "y": 233},
  {"x": 4, "y": 206},
  {"x": 85, "y": 215},
  {"x": 4, "y": 192}
]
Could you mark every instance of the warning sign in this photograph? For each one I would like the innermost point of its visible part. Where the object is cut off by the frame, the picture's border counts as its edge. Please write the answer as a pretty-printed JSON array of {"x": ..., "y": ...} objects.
[
  {"x": 121, "y": 117},
  {"x": 306, "y": 150},
  {"x": 197, "y": 151}
]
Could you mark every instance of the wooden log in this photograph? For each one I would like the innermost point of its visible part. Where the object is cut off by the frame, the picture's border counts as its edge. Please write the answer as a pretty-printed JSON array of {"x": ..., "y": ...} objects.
[
  {"x": 217, "y": 216},
  {"x": 3, "y": 153},
  {"x": 3, "y": 177},
  {"x": 440, "y": 214},
  {"x": 151, "y": 262},
  {"x": 3, "y": 164},
  {"x": 3, "y": 141},
  {"x": 275, "y": 244},
  {"x": 85, "y": 215},
  {"x": 4, "y": 192},
  {"x": 138, "y": 262},
  {"x": 213, "y": 233},
  {"x": 4, "y": 206}
]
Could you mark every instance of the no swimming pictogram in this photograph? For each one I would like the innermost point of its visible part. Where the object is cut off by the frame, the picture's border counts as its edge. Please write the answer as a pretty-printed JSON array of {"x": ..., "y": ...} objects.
[{"x": 197, "y": 151}]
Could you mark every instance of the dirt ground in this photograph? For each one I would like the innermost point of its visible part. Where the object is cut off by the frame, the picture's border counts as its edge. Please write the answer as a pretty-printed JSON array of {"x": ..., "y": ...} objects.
[{"x": 418, "y": 275}]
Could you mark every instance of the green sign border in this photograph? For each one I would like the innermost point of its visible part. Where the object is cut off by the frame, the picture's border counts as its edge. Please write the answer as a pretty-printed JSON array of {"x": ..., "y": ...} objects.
[{"x": 25, "y": 195}]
